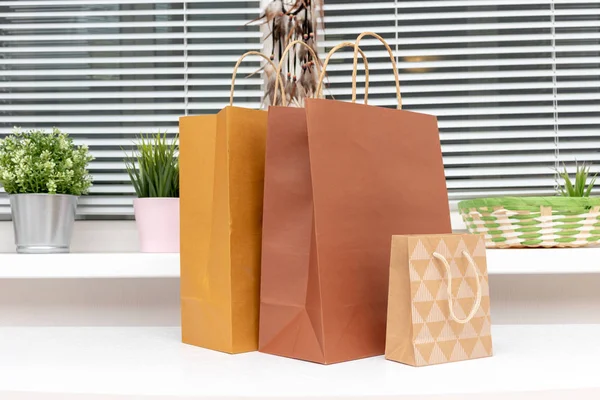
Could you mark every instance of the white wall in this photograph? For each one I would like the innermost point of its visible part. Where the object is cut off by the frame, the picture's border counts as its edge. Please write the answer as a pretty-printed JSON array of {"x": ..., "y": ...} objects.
[{"x": 516, "y": 299}]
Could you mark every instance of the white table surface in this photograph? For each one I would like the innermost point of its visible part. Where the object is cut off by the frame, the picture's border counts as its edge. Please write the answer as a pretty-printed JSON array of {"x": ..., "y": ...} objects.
[{"x": 151, "y": 361}]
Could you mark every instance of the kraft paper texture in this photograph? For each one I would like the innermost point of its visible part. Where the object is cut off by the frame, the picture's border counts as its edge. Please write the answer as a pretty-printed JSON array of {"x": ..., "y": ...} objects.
[
  {"x": 340, "y": 180},
  {"x": 222, "y": 172},
  {"x": 420, "y": 330}
]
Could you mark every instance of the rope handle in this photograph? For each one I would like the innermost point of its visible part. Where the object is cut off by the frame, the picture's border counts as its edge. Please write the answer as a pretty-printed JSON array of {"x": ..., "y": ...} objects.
[
  {"x": 392, "y": 59},
  {"x": 365, "y": 61},
  {"x": 477, "y": 303},
  {"x": 237, "y": 66}
]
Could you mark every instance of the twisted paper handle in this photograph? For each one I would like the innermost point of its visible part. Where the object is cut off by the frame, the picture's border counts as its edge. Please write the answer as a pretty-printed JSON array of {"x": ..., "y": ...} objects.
[
  {"x": 237, "y": 66},
  {"x": 392, "y": 59},
  {"x": 365, "y": 61},
  {"x": 450, "y": 299}
]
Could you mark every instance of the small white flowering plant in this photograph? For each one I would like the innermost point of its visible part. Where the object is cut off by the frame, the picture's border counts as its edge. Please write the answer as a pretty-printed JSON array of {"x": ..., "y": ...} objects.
[{"x": 38, "y": 162}]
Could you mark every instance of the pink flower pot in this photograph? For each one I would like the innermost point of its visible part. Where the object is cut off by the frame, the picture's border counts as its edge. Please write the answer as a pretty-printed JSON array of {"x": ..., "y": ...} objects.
[{"x": 157, "y": 221}]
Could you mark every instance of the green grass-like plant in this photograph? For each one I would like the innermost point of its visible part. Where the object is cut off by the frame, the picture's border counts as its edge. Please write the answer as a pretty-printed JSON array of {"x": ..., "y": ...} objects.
[
  {"x": 154, "y": 166},
  {"x": 577, "y": 188}
]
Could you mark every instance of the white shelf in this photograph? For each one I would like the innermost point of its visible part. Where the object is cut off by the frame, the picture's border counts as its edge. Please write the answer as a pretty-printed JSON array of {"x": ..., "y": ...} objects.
[
  {"x": 152, "y": 362},
  {"x": 89, "y": 265},
  {"x": 140, "y": 265},
  {"x": 585, "y": 260}
]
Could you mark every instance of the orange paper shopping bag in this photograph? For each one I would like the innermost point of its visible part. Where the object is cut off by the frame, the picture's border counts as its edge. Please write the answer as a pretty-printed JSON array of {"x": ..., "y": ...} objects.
[
  {"x": 222, "y": 161},
  {"x": 439, "y": 301}
]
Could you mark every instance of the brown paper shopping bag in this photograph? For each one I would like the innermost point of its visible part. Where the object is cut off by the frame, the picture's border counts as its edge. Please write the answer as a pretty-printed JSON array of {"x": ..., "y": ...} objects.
[
  {"x": 340, "y": 180},
  {"x": 222, "y": 171},
  {"x": 439, "y": 301}
]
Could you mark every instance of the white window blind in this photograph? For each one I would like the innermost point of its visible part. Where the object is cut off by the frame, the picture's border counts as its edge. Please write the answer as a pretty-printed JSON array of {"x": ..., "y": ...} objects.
[
  {"x": 514, "y": 83},
  {"x": 578, "y": 79},
  {"x": 106, "y": 70}
]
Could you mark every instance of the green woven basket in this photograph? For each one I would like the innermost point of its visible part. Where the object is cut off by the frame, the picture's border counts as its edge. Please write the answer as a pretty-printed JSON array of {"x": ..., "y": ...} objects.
[{"x": 534, "y": 221}]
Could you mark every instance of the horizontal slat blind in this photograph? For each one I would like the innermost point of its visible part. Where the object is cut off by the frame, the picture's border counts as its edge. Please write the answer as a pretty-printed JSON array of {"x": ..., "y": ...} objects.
[
  {"x": 515, "y": 84},
  {"x": 106, "y": 70},
  {"x": 578, "y": 39},
  {"x": 484, "y": 68}
]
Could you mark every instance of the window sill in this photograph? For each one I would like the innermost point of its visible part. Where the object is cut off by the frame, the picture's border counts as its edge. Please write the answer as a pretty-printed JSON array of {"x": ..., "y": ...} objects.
[
  {"x": 144, "y": 265},
  {"x": 88, "y": 266}
]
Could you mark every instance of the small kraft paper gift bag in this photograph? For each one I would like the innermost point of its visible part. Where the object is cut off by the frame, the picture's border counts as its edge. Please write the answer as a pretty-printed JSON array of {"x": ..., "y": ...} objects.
[{"x": 439, "y": 302}]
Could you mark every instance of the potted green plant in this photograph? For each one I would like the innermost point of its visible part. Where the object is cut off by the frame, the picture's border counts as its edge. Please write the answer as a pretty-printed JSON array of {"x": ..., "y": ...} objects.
[
  {"x": 569, "y": 219},
  {"x": 43, "y": 173},
  {"x": 154, "y": 173}
]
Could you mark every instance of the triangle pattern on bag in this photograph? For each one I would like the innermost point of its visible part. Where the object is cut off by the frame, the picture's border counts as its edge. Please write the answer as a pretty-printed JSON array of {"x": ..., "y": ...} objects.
[
  {"x": 419, "y": 266},
  {"x": 417, "y": 317},
  {"x": 443, "y": 306},
  {"x": 455, "y": 270},
  {"x": 437, "y": 355},
  {"x": 419, "y": 360},
  {"x": 423, "y": 294},
  {"x": 458, "y": 353},
  {"x": 464, "y": 291},
  {"x": 425, "y": 349},
  {"x": 442, "y": 293},
  {"x": 479, "y": 350},
  {"x": 424, "y": 336},
  {"x": 479, "y": 249},
  {"x": 486, "y": 342},
  {"x": 485, "y": 286},
  {"x": 434, "y": 287},
  {"x": 468, "y": 344},
  {"x": 420, "y": 252},
  {"x": 432, "y": 272},
  {"x": 447, "y": 346},
  {"x": 414, "y": 288},
  {"x": 435, "y": 328},
  {"x": 466, "y": 304},
  {"x": 458, "y": 310},
  {"x": 468, "y": 332},
  {"x": 468, "y": 269},
  {"x": 424, "y": 309},
  {"x": 414, "y": 276},
  {"x": 435, "y": 314},
  {"x": 480, "y": 311},
  {"x": 456, "y": 327},
  {"x": 416, "y": 328},
  {"x": 447, "y": 333},
  {"x": 486, "y": 328},
  {"x": 456, "y": 282},
  {"x": 472, "y": 282},
  {"x": 442, "y": 249},
  {"x": 485, "y": 305},
  {"x": 463, "y": 266},
  {"x": 477, "y": 323},
  {"x": 460, "y": 247}
]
